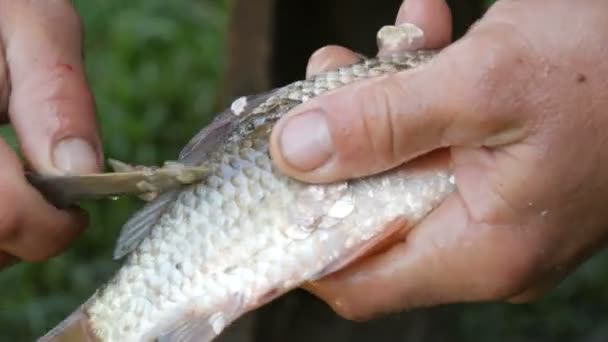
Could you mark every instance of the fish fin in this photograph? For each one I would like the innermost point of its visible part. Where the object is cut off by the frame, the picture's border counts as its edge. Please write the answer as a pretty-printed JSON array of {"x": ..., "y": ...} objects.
[
  {"x": 138, "y": 226},
  {"x": 199, "y": 330},
  {"x": 213, "y": 134},
  {"x": 204, "y": 326},
  {"x": 395, "y": 232},
  {"x": 75, "y": 327}
]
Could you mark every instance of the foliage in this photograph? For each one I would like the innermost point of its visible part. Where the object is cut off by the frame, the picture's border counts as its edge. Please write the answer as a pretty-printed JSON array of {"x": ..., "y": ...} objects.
[{"x": 155, "y": 67}]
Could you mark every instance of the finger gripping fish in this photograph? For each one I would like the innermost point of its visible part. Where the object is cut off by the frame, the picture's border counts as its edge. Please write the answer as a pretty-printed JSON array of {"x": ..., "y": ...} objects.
[{"x": 200, "y": 255}]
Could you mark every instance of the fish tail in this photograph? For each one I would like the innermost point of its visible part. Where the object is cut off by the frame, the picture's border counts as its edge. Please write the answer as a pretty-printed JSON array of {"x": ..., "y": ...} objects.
[{"x": 75, "y": 328}]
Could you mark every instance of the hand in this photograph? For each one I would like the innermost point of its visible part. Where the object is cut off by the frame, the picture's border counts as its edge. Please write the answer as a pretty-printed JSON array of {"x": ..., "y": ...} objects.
[
  {"x": 44, "y": 94},
  {"x": 521, "y": 103}
]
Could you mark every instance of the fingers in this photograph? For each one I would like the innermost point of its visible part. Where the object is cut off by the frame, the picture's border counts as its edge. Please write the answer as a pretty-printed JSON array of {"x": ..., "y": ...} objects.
[
  {"x": 432, "y": 16},
  {"x": 546, "y": 281},
  {"x": 533, "y": 293},
  {"x": 329, "y": 58},
  {"x": 30, "y": 228},
  {"x": 374, "y": 125},
  {"x": 51, "y": 106},
  {"x": 421, "y": 24},
  {"x": 7, "y": 260},
  {"x": 447, "y": 258}
]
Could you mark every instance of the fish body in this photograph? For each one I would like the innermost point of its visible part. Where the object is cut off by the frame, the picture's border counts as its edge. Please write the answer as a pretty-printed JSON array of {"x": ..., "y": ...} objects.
[{"x": 201, "y": 255}]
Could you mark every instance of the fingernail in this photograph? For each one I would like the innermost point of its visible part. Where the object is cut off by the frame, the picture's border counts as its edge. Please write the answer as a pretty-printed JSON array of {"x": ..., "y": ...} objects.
[
  {"x": 305, "y": 141},
  {"x": 75, "y": 156}
]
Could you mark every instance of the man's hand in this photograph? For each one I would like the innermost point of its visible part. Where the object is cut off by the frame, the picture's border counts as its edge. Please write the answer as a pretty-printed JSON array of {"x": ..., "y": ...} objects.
[
  {"x": 521, "y": 102},
  {"x": 44, "y": 94}
]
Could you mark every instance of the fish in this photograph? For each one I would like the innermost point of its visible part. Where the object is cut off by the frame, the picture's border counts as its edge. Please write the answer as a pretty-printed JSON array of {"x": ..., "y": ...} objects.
[{"x": 208, "y": 249}]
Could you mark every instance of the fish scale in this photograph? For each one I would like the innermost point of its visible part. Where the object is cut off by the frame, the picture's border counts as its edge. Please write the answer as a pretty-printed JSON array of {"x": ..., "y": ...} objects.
[
  {"x": 200, "y": 256},
  {"x": 260, "y": 257}
]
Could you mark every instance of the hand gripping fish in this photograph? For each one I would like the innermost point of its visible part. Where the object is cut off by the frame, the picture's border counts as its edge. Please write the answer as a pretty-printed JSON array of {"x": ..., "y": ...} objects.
[{"x": 225, "y": 232}]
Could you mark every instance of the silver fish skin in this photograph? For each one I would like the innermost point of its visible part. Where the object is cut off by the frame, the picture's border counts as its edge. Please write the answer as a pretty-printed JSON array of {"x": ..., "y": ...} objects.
[{"x": 200, "y": 256}]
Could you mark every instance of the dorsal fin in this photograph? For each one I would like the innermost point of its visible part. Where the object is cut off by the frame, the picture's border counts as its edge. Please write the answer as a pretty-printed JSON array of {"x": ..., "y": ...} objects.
[{"x": 210, "y": 136}]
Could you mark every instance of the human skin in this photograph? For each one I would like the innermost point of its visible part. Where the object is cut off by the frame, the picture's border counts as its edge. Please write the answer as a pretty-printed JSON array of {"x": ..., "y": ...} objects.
[
  {"x": 520, "y": 103},
  {"x": 45, "y": 96}
]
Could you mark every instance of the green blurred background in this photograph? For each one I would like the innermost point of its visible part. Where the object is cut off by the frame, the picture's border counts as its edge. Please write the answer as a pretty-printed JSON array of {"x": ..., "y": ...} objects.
[{"x": 156, "y": 69}]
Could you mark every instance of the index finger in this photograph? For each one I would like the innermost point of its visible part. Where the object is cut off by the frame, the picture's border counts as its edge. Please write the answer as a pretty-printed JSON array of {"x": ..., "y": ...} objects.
[{"x": 51, "y": 105}]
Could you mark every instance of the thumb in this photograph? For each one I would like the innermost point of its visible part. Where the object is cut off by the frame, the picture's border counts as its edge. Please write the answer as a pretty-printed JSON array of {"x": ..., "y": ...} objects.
[{"x": 377, "y": 124}]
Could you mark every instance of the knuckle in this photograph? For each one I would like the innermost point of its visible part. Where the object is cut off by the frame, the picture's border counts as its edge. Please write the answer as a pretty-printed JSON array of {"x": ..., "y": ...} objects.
[
  {"x": 498, "y": 84},
  {"x": 496, "y": 66},
  {"x": 380, "y": 121},
  {"x": 59, "y": 17}
]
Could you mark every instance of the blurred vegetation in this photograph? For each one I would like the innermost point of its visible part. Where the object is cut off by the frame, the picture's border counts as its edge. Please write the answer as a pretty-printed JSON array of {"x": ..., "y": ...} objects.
[{"x": 156, "y": 67}]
